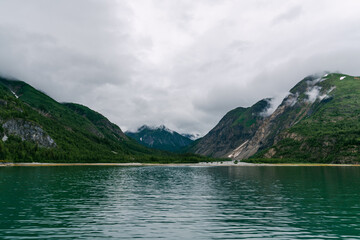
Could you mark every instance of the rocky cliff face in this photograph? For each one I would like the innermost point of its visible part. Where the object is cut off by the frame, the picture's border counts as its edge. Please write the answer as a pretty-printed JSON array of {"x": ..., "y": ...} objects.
[
  {"x": 160, "y": 138},
  {"x": 269, "y": 129},
  {"x": 327, "y": 123},
  {"x": 233, "y": 130},
  {"x": 313, "y": 118},
  {"x": 47, "y": 130},
  {"x": 301, "y": 102},
  {"x": 27, "y": 131}
]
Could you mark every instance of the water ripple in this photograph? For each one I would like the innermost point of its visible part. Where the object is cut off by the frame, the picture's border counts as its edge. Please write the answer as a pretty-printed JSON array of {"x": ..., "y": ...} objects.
[{"x": 179, "y": 202}]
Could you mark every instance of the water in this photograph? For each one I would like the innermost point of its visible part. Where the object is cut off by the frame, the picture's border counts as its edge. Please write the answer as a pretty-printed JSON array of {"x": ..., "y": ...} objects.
[{"x": 94, "y": 202}]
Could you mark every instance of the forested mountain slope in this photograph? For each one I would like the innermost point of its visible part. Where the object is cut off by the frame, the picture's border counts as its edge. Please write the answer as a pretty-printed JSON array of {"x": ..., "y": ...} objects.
[
  {"x": 319, "y": 121},
  {"x": 35, "y": 127}
]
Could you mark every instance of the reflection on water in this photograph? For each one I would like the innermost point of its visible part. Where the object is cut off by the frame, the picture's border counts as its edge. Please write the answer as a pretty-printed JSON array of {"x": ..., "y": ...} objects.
[{"x": 179, "y": 202}]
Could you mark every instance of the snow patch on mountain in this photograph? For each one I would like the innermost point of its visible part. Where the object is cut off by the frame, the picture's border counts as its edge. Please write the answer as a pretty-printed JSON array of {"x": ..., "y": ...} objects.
[
  {"x": 161, "y": 127},
  {"x": 14, "y": 94},
  {"x": 331, "y": 89}
]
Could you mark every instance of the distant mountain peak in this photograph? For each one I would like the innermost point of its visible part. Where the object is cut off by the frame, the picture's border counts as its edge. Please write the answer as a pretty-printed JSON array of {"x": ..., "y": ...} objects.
[
  {"x": 160, "y": 127},
  {"x": 42, "y": 129},
  {"x": 160, "y": 137}
]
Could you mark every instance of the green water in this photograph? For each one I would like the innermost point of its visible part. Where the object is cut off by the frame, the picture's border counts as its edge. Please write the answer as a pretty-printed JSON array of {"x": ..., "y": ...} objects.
[{"x": 93, "y": 202}]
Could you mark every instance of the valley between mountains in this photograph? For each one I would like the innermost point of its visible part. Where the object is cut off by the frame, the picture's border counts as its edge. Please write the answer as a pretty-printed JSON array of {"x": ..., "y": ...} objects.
[{"x": 317, "y": 122}]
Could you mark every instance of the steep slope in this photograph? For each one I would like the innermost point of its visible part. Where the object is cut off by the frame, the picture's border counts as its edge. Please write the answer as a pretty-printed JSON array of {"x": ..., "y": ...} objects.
[
  {"x": 34, "y": 127},
  {"x": 104, "y": 128},
  {"x": 328, "y": 128},
  {"x": 71, "y": 136},
  {"x": 235, "y": 128},
  {"x": 319, "y": 121},
  {"x": 160, "y": 138}
]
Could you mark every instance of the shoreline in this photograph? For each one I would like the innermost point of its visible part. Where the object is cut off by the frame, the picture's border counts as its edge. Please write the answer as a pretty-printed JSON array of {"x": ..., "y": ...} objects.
[{"x": 201, "y": 164}]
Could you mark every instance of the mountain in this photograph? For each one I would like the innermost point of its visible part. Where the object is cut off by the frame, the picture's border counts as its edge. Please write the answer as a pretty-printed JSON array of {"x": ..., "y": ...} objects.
[
  {"x": 234, "y": 128},
  {"x": 160, "y": 138},
  {"x": 319, "y": 121},
  {"x": 35, "y": 127}
]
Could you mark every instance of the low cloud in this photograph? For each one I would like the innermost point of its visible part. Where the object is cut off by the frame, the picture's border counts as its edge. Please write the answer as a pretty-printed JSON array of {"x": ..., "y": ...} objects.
[
  {"x": 179, "y": 63},
  {"x": 289, "y": 15},
  {"x": 274, "y": 103},
  {"x": 313, "y": 93}
]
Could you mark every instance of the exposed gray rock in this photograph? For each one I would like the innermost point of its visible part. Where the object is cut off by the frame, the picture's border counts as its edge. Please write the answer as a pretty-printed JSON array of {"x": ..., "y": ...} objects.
[
  {"x": 28, "y": 131},
  {"x": 261, "y": 137},
  {"x": 4, "y": 138},
  {"x": 292, "y": 110},
  {"x": 236, "y": 128},
  {"x": 244, "y": 132}
]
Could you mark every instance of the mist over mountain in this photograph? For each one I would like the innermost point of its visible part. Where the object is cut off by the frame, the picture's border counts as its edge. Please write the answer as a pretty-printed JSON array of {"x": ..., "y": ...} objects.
[
  {"x": 179, "y": 63},
  {"x": 319, "y": 121},
  {"x": 35, "y": 127},
  {"x": 160, "y": 138}
]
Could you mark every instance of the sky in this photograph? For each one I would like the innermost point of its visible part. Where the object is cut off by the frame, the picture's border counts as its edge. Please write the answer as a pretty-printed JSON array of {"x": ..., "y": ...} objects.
[{"x": 180, "y": 63}]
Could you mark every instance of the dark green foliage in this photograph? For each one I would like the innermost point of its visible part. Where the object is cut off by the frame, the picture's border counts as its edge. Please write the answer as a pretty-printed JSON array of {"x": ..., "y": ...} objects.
[
  {"x": 234, "y": 128},
  {"x": 318, "y": 122},
  {"x": 248, "y": 116},
  {"x": 104, "y": 128},
  {"x": 81, "y": 134},
  {"x": 330, "y": 133},
  {"x": 160, "y": 138}
]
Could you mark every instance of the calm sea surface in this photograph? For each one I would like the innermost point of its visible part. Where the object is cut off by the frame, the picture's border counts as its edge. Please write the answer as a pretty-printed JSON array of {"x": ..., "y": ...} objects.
[{"x": 94, "y": 202}]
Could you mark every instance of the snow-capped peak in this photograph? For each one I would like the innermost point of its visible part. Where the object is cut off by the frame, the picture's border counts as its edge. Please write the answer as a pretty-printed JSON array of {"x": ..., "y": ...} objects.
[
  {"x": 14, "y": 94},
  {"x": 161, "y": 127}
]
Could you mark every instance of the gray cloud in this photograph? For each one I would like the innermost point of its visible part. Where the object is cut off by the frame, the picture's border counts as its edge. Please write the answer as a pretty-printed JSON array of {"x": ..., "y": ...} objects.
[
  {"x": 290, "y": 15},
  {"x": 179, "y": 63}
]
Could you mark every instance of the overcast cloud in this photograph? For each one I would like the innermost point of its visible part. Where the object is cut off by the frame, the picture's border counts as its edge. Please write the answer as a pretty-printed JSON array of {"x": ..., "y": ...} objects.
[{"x": 180, "y": 63}]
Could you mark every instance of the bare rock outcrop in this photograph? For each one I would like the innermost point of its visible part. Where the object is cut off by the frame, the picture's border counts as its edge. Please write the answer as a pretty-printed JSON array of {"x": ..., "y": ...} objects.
[{"x": 28, "y": 131}]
